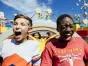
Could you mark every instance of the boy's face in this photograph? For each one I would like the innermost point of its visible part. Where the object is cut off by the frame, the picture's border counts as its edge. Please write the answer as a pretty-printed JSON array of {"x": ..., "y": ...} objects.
[
  {"x": 66, "y": 29},
  {"x": 20, "y": 28}
]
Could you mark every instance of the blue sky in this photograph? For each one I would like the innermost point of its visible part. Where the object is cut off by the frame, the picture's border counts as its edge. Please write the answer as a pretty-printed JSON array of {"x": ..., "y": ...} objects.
[
  {"x": 8, "y": 11},
  {"x": 10, "y": 7}
]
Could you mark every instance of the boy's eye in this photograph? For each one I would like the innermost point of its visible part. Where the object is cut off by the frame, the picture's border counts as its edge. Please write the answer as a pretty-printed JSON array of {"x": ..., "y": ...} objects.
[
  {"x": 22, "y": 24},
  {"x": 15, "y": 23},
  {"x": 71, "y": 26},
  {"x": 63, "y": 27}
]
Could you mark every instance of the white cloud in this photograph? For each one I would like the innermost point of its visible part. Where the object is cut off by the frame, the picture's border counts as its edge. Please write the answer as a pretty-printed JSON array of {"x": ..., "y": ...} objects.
[
  {"x": 27, "y": 6},
  {"x": 24, "y": 6}
]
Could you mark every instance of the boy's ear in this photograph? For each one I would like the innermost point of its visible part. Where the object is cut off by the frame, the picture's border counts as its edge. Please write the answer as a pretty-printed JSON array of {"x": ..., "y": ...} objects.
[{"x": 29, "y": 29}]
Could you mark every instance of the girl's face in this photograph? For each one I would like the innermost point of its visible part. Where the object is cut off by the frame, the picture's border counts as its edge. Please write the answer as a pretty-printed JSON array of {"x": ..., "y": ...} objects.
[{"x": 20, "y": 28}]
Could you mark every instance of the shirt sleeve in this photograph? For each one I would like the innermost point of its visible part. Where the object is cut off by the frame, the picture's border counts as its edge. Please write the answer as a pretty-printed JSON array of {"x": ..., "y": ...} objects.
[{"x": 46, "y": 58}]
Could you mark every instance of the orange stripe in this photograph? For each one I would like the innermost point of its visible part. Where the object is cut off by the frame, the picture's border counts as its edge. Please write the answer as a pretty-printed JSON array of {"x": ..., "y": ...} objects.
[{"x": 15, "y": 60}]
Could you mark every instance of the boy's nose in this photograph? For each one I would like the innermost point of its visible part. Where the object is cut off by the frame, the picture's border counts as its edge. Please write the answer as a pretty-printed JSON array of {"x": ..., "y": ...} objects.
[
  {"x": 68, "y": 29},
  {"x": 17, "y": 27}
]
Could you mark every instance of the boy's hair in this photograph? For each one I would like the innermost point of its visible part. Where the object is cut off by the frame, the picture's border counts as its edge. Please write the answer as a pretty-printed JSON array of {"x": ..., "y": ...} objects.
[
  {"x": 60, "y": 18},
  {"x": 23, "y": 16}
]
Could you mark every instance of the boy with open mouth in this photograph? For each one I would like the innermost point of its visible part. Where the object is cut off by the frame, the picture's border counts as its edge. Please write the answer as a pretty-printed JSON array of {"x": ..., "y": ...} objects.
[{"x": 18, "y": 51}]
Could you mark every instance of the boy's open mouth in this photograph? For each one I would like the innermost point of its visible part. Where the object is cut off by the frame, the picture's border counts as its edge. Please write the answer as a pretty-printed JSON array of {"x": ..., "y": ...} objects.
[{"x": 17, "y": 33}]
